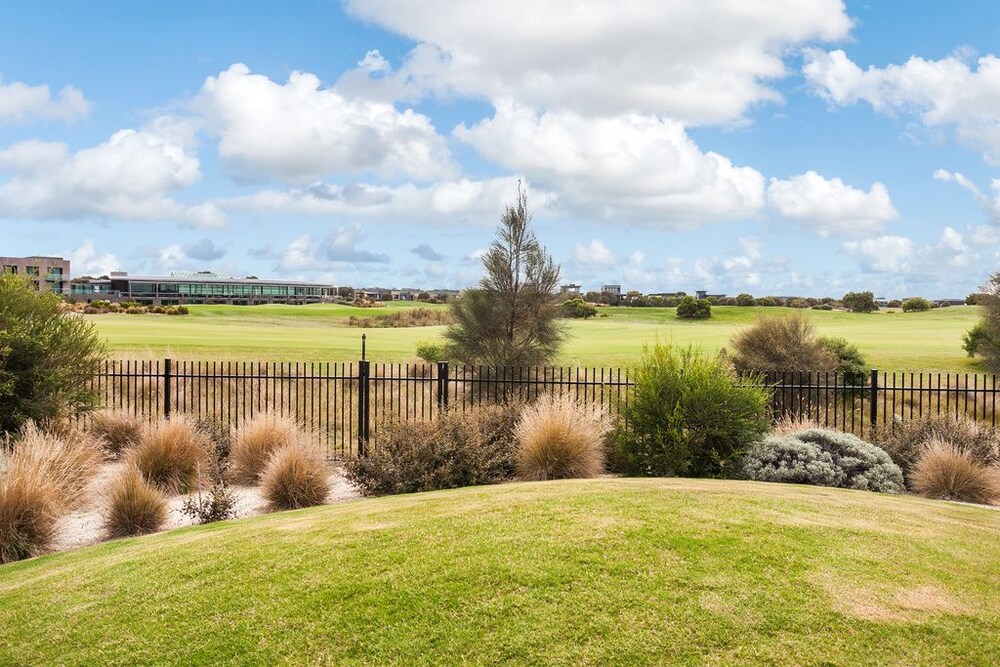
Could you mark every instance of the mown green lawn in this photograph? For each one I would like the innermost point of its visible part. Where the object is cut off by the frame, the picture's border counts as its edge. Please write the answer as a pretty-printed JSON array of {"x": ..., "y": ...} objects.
[
  {"x": 612, "y": 571},
  {"x": 897, "y": 341}
]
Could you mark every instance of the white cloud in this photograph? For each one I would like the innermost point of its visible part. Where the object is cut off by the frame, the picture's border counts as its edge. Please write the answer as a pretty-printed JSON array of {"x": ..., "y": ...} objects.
[
  {"x": 949, "y": 92},
  {"x": 991, "y": 206},
  {"x": 595, "y": 255},
  {"x": 883, "y": 254},
  {"x": 298, "y": 132},
  {"x": 21, "y": 103},
  {"x": 85, "y": 260},
  {"x": 335, "y": 251},
  {"x": 125, "y": 178},
  {"x": 830, "y": 206},
  {"x": 697, "y": 62},
  {"x": 464, "y": 201},
  {"x": 190, "y": 255},
  {"x": 637, "y": 168}
]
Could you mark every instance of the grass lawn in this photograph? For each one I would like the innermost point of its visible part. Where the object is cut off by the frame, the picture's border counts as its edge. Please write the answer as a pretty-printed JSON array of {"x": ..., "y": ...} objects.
[
  {"x": 582, "y": 572},
  {"x": 899, "y": 341}
]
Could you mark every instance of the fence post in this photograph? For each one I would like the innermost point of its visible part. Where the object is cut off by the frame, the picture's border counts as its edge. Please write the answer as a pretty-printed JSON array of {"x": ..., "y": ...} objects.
[
  {"x": 873, "y": 400},
  {"x": 363, "y": 408},
  {"x": 166, "y": 388},
  {"x": 442, "y": 385}
]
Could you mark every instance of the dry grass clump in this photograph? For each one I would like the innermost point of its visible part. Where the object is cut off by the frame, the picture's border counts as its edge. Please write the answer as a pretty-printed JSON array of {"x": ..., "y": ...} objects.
[
  {"x": 41, "y": 476},
  {"x": 296, "y": 476},
  {"x": 174, "y": 455},
  {"x": 117, "y": 430},
  {"x": 781, "y": 343},
  {"x": 906, "y": 440},
  {"x": 254, "y": 443},
  {"x": 947, "y": 472},
  {"x": 791, "y": 423},
  {"x": 557, "y": 438},
  {"x": 135, "y": 507}
]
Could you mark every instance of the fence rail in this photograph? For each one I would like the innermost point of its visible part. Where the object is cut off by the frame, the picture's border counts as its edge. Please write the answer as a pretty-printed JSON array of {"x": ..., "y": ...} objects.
[{"x": 344, "y": 404}]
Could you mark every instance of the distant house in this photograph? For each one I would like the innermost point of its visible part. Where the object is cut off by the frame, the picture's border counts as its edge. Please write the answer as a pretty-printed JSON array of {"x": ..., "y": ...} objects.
[
  {"x": 572, "y": 290},
  {"x": 45, "y": 274},
  {"x": 702, "y": 294}
]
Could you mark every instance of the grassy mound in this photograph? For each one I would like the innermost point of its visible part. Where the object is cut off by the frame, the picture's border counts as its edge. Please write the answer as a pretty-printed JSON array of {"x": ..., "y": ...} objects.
[{"x": 594, "y": 572}]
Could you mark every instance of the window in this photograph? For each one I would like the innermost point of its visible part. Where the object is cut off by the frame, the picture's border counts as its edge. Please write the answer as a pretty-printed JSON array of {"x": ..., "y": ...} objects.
[
  {"x": 31, "y": 270},
  {"x": 10, "y": 268}
]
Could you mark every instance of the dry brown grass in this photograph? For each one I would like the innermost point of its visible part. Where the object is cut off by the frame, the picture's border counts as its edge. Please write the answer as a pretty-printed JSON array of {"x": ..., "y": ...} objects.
[
  {"x": 296, "y": 476},
  {"x": 117, "y": 430},
  {"x": 256, "y": 441},
  {"x": 174, "y": 455},
  {"x": 791, "y": 423},
  {"x": 135, "y": 507},
  {"x": 947, "y": 472},
  {"x": 906, "y": 440},
  {"x": 557, "y": 438},
  {"x": 41, "y": 476}
]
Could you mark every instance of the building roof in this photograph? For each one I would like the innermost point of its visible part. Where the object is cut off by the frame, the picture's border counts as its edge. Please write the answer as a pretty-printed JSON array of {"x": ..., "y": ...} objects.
[{"x": 215, "y": 279}]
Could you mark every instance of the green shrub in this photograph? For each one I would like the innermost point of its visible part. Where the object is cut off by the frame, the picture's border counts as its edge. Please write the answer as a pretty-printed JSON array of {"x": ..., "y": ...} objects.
[
  {"x": 691, "y": 308},
  {"x": 685, "y": 416},
  {"x": 838, "y": 459},
  {"x": 974, "y": 339},
  {"x": 822, "y": 306},
  {"x": 47, "y": 358},
  {"x": 218, "y": 504},
  {"x": 916, "y": 304},
  {"x": 296, "y": 476},
  {"x": 458, "y": 449},
  {"x": 578, "y": 309},
  {"x": 558, "y": 438},
  {"x": 851, "y": 364},
  {"x": 135, "y": 507},
  {"x": 433, "y": 351},
  {"x": 860, "y": 302}
]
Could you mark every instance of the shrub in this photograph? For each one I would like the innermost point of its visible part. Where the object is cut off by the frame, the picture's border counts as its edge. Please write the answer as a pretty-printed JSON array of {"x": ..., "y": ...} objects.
[
  {"x": 916, "y": 304},
  {"x": 218, "y": 504},
  {"x": 782, "y": 344},
  {"x": 905, "y": 440},
  {"x": 296, "y": 476},
  {"x": 851, "y": 364},
  {"x": 860, "y": 302},
  {"x": 41, "y": 476},
  {"x": 458, "y": 449},
  {"x": 173, "y": 455},
  {"x": 220, "y": 434},
  {"x": 254, "y": 443},
  {"x": 135, "y": 507},
  {"x": 117, "y": 430},
  {"x": 578, "y": 309},
  {"x": 433, "y": 351},
  {"x": 557, "y": 438},
  {"x": 822, "y": 306},
  {"x": 687, "y": 416},
  {"x": 860, "y": 465},
  {"x": 974, "y": 338},
  {"x": 785, "y": 458},
  {"x": 947, "y": 472},
  {"x": 47, "y": 358},
  {"x": 691, "y": 308}
]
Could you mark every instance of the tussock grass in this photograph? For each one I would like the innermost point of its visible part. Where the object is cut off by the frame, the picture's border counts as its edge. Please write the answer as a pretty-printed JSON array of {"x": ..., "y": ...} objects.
[
  {"x": 117, "y": 430},
  {"x": 256, "y": 441},
  {"x": 42, "y": 475},
  {"x": 174, "y": 455},
  {"x": 557, "y": 438},
  {"x": 296, "y": 476},
  {"x": 947, "y": 472},
  {"x": 135, "y": 507}
]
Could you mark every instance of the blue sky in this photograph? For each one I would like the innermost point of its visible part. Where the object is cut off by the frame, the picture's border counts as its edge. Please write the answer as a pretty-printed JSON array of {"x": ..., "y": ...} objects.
[{"x": 796, "y": 147}]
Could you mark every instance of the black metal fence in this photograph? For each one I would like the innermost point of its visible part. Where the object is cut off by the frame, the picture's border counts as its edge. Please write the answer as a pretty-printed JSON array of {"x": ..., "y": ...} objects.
[{"x": 343, "y": 404}]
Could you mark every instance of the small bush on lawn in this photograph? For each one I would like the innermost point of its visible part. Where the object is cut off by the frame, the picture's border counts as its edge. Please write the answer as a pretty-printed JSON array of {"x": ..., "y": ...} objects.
[
  {"x": 41, "y": 476},
  {"x": 218, "y": 504},
  {"x": 686, "y": 417},
  {"x": 296, "y": 476},
  {"x": 694, "y": 309},
  {"x": 117, "y": 430},
  {"x": 823, "y": 457},
  {"x": 947, "y": 472},
  {"x": 782, "y": 344},
  {"x": 458, "y": 449},
  {"x": 135, "y": 507},
  {"x": 578, "y": 309},
  {"x": 254, "y": 443},
  {"x": 173, "y": 455},
  {"x": 905, "y": 440},
  {"x": 557, "y": 438}
]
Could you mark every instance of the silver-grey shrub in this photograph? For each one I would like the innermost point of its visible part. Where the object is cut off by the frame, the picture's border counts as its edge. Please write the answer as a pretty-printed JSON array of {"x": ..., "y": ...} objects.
[{"x": 824, "y": 458}]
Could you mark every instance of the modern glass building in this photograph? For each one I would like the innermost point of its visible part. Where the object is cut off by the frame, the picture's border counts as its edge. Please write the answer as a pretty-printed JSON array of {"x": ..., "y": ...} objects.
[
  {"x": 46, "y": 274},
  {"x": 202, "y": 287}
]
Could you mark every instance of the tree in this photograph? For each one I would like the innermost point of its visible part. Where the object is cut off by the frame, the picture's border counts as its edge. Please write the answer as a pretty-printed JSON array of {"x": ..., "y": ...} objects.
[
  {"x": 860, "y": 302},
  {"x": 984, "y": 338},
  {"x": 47, "y": 359},
  {"x": 511, "y": 319},
  {"x": 691, "y": 308},
  {"x": 745, "y": 300},
  {"x": 579, "y": 309},
  {"x": 916, "y": 304},
  {"x": 974, "y": 339}
]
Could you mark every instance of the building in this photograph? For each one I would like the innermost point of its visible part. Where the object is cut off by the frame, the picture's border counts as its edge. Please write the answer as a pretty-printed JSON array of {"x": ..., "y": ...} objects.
[
  {"x": 46, "y": 274},
  {"x": 703, "y": 294},
  {"x": 570, "y": 290},
  {"x": 201, "y": 287}
]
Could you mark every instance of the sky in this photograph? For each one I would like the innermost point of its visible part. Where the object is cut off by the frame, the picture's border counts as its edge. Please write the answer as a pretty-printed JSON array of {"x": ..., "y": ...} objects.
[{"x": 780, "y": 147}]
